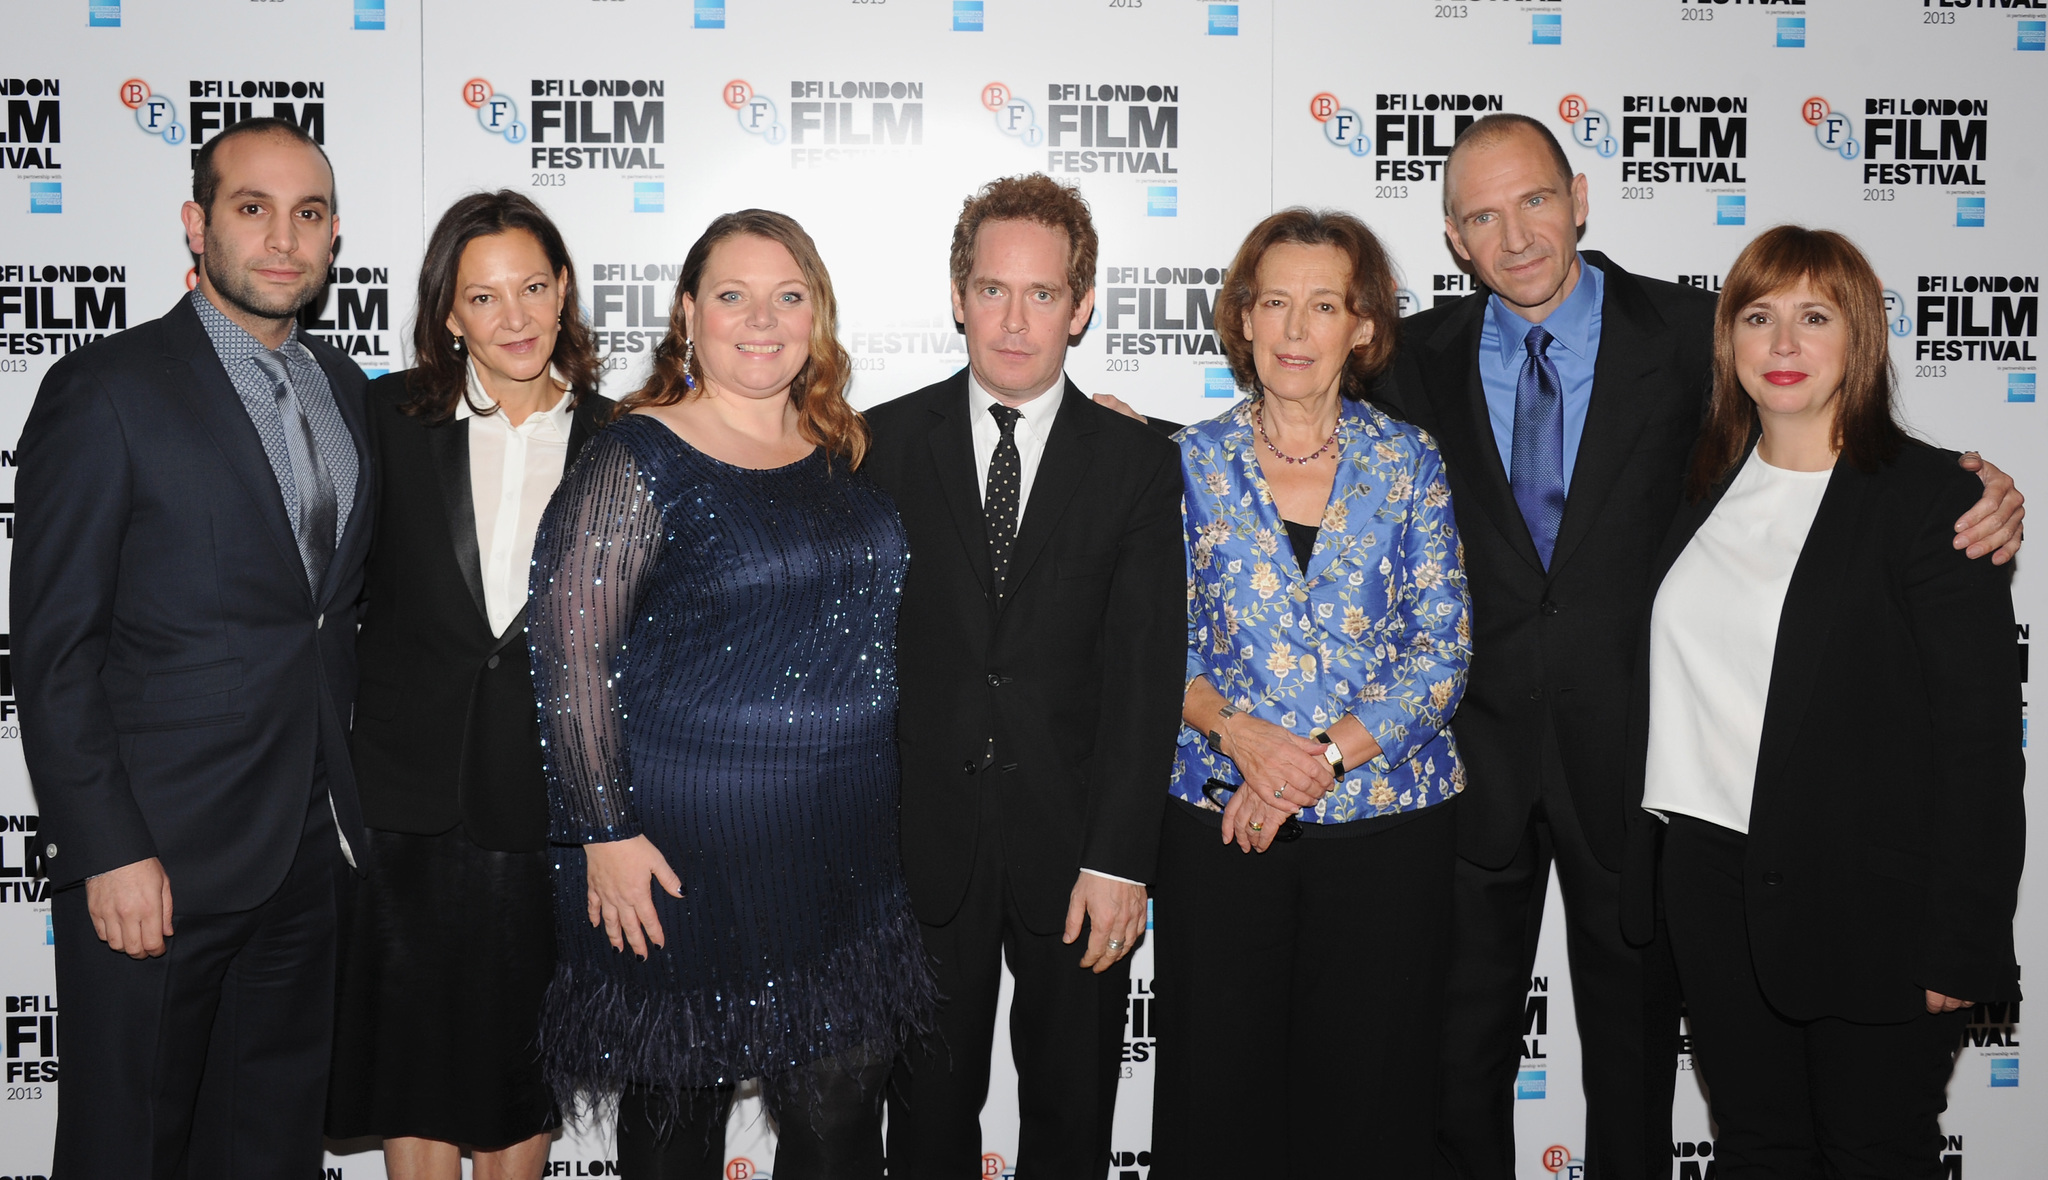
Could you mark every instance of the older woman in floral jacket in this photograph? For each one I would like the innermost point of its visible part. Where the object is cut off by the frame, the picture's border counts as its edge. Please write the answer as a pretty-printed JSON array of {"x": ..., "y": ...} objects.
[{"x": 1328, "y": 635}]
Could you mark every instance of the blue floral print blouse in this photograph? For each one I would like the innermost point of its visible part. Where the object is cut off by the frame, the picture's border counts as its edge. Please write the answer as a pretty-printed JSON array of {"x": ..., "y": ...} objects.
[{"x": 1380, "y": 627}]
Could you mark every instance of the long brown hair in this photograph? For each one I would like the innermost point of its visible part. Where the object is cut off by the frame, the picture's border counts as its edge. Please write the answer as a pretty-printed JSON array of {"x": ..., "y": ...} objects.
[
  {"x": 1867, "y": 430},
  {"x": 440, "y": 374},
  {"x": 824, "y": 417},
  {"x": 1370, "y": 295}
]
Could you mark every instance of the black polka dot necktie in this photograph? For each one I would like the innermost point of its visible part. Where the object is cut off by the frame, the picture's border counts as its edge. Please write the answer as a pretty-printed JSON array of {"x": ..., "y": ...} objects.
[{"x": 1000, "y": 502}]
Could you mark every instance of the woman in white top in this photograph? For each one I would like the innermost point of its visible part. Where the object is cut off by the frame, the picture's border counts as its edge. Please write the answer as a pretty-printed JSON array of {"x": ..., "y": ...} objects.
[
  {"x": 1833, "y": 731},
  {"x": 451, "y": 945}
]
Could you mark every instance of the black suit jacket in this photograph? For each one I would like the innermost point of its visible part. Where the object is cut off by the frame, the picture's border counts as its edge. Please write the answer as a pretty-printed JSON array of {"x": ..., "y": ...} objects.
[
  {"x": 176, "y": 674},
  {"x": 1553, "y": 652},
  {"x": 445, "y": 728},
  {"x": 1077, "y": 678},
  {"x": 1887, "y": 828}
]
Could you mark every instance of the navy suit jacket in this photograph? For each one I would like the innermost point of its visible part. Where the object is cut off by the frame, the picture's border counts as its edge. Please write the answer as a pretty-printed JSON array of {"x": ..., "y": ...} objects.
[{"x": 177, "y": 676}]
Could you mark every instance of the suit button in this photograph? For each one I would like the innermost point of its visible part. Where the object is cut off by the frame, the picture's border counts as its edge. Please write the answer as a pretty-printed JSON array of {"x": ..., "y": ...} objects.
[
  {"x": 1548, "y": 607},
  {"x": 1774, "y": 878},
  {"x": 994, "y": 681},
  {"x": 49, "y": 851},
  {"x": 1535, "y": 694},
  {"x": 491, "y": 663},
  {"x": 968, "y": 766}
]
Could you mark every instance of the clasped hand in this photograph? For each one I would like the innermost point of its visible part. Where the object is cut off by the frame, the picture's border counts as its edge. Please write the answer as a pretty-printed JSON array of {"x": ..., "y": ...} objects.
[{"x": 1283, "y": 772}]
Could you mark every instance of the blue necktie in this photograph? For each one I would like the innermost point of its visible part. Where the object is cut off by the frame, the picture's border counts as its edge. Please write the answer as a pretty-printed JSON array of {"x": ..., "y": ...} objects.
[{"x": 1538, "y": 454}]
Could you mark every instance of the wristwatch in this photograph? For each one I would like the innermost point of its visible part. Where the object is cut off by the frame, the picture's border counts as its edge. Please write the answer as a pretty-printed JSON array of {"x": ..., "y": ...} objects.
[
  {"x": 1331, "y": 754},
  {"x": 1222, "y": 715}
]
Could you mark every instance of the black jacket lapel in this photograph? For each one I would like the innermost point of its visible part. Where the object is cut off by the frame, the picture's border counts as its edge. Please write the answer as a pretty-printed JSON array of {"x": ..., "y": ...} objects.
[
  {"x": 1634, "y": 343},
  {"x": 448, "y": 442},
  {"x": 1453, "y": 358},
  {"x": 952, "y": 448},
  {"x": 1061, "y": 468},
  {"x": 213, "y": 399},
  {"x": 355, "y": 538}
]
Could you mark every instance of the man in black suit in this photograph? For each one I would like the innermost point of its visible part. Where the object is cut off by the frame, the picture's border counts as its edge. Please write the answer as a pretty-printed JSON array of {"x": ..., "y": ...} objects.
[
  {"x": 1039, "y": 654},
  {"x": 194, "y": 505},
  {"x": 1565, "y": 424}
]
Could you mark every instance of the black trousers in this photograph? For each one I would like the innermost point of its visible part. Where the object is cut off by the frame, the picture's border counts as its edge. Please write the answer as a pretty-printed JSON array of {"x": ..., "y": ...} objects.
[
  {"x": 1066, "y": 1037},
  {"x": 1625, "y": 1000},
  {"x": 1794, "y": 1098},
  {"x": 1299, "y": 1003},
  {"x": 210, "y": 1060}
]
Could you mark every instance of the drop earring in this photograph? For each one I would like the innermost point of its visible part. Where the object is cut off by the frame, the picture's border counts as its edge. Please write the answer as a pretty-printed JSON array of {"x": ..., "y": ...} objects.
[
  {"x": 459, "y": 348},
  {"x": 689, "y": 355}
]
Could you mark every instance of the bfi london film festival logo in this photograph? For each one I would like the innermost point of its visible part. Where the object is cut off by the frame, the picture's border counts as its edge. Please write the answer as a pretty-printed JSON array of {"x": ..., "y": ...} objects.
[
  {"x": 50, "y": 311},
  {"x": 597, "y": 124},
  {"x": 1697, "y": 140},
  {"x": 757, "y": 114},
  {"x": 1414, "y": 131},
  {"x": 35, "y": 126},
  {"x": 1114, "y": 129},
  {"x": 1149, "y": 313},
  {"x": 1014, "y": 115},
  {"x": 1559, "y": 1162},
  {"x": 353, "y": 313},
  {"x": 1942, "y": 142},
  {"x": 629, "y": 307},
  {"x": 1976, "y": 321},
  {"x": 155, "y": 113},
  {"x": 218, "y": 104}
]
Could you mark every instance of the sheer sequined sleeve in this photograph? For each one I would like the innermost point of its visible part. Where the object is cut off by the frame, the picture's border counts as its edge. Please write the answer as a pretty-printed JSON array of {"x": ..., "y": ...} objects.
[{"x": 597, "y": 545}]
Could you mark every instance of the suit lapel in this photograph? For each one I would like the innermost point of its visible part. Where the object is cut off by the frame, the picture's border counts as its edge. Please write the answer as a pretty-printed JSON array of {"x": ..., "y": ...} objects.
[
  {"x": 342, "y": 374},
  {"x": 448, "y": 443},
  {"x": 213, "y": 400},
  {"x": 1061, "y": 468},
  {"x": 1452, "y": 354},
  {"x": 1633, "y": 344},
  {"x": 952, "y": 449},
  {"x": 1808, "y": 615}
]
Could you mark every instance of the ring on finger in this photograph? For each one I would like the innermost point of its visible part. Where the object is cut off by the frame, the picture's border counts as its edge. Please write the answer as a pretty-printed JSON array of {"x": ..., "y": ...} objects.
[
  {"x": 1280, "y": 791},
  {"x": 1257, "y": 827},
  {"x": 1116, "y": 944}
]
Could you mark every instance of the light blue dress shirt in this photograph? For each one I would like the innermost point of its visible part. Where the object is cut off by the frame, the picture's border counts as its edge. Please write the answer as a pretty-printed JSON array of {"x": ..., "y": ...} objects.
[{"x": 1575, "y": 346}]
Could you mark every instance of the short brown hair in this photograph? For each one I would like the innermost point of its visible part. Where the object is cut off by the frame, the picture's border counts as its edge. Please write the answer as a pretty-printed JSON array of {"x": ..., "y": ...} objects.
[
  {"x": 1867, "y": 430},
  {"x": 440, "y": 374},
  {"x": 1491, "y": 129},
  {"x": 206, "y": 177},
  {"x": 819, "y": 390},
  {"x": 1036, "y": 198},
  {"x": 1369, "y": 296}
]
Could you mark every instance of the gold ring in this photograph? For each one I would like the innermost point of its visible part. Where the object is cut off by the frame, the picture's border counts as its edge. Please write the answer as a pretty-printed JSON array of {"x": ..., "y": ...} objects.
[{"x": 1257, "y": 827}]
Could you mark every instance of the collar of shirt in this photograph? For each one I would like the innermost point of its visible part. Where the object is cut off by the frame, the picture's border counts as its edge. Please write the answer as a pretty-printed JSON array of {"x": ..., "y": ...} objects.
[
  {"x": 1032, "y": 429},
  {"x": 1571, "y": 325},
  {"x": 233, "y": 343},
  {"x": 551, "y": 423}
]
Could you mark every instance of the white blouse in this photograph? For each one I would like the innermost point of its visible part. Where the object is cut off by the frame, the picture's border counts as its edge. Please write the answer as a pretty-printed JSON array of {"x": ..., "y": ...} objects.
[
  {"x": 1713, "y": 637},
  {"x": 513, "y": 471}
]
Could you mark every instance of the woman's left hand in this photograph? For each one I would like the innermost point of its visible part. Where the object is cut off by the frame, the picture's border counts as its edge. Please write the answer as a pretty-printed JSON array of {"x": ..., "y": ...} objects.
[
  {"x": 1938, "y": 1003},
  {"x": 1252, "y": 821}
]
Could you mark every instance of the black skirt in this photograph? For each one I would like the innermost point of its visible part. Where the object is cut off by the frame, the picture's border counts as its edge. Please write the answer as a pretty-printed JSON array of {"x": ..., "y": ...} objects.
[{"x": 448, "y": 954}]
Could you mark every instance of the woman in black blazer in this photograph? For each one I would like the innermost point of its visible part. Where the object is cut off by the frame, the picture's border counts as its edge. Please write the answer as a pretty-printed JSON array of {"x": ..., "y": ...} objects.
[
  {"x": 451, "y": 944},
  {"x": 1833, "y": 737}
]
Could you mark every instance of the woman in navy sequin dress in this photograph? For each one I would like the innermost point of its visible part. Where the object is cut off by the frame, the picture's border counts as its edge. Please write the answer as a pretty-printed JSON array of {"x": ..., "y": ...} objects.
[{"x": 713, "y": 628}]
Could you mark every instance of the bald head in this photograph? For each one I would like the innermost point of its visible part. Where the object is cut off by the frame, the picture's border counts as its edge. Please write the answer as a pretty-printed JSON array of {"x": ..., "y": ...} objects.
[
  {"x": 1492, "y": 130},
  {"x": 1512, "y": 208}
]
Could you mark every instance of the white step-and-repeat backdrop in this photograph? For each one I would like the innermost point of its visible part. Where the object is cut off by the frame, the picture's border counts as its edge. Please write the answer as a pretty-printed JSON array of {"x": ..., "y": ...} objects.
[{"x": 1914, "y": 125}]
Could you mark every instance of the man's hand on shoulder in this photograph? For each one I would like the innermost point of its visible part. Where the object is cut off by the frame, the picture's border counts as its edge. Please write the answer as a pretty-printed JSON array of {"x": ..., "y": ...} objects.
[
  {"x": 1993, "y": 524},
  {"x": 1113, "y": 402},
  {"x": 131, "y": 908},
  {"x": 1115, "y": 912}
]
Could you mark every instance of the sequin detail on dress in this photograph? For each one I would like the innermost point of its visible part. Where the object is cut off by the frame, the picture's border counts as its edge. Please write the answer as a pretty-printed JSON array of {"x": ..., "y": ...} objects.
[{"x": 714, "y": 656}]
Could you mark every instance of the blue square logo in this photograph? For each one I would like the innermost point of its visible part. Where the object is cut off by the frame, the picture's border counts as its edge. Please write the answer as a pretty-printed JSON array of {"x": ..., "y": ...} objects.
[
  {"x": 369, "y": 14},
  {"x": 1162, "y": 200},
  {"x": 1970, "y": 212},
  {"x": 2034, "y": 35},
  {"x": 1791, "y": 32},
  {"x": 2005, "y": 1071},
  {"x": 2019, "y": 387},
  {"x": 967, "y": 16},
  {"x": 1223, "y": 20},
  {"x": 1546, "y": 28},
  {"x": 106, "y": 14},
  {"x": 1731, "y": 209},
  {"x": 1218, "y": 383},
  {"x": 46, "y": 196},
  {"x": 373, "y": 374},
  {"x": 650, "y": 196},
  {"x": 1532, "y": 1083},
  {"x": 710, "y": 14}
]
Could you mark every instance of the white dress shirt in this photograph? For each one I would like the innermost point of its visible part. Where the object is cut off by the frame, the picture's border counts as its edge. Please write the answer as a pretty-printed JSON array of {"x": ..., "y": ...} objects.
[
  {"x": 1713, "y": 639},
  {"x": 1030, "y": 434},
  {"x": 513, "y": 471}
]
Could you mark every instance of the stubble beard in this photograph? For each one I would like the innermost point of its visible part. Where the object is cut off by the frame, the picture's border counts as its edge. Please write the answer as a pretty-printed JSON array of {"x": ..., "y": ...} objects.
[{"x": 238, "y": 287}]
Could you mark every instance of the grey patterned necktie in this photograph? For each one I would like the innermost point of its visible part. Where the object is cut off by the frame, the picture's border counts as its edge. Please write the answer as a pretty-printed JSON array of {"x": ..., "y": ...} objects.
[
  {"x": 317, "y": 509},
  {"x": 999, "y": 503}
]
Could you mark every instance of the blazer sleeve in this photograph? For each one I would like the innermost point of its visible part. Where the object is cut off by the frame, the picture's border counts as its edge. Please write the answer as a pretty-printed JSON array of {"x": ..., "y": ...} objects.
[
  {"x": 1144, "y": 650},
  {"x": 1974, "y": 830},
  {"x": 72, "y": 503}
]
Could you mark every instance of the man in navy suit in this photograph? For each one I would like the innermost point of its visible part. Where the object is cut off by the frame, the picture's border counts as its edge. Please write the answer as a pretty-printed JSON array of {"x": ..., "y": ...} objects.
[{"x": 193, "y": 512}]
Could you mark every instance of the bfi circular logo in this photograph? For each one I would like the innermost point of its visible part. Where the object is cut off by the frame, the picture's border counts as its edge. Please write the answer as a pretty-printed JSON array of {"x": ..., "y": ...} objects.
[
  {"x": 756, "y": 112},
  {"x": 1342, "y": 126},
  {"x": 992, "y": 1165},
  {"x": 1590, "y": 128},
  {"x": 1831, "y": 128},
  {"x": 740, "y": 1167},
  {"x": 1014, "y": 116},
  {"x": 154, "y": 114},
  {"x": 495, "y": 113},
  {"x": 1896, "y": 317},
  {"x": 1558, "y": 1161}
]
